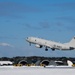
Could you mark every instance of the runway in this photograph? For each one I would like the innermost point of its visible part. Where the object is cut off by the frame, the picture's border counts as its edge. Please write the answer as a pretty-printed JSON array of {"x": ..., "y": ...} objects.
[{"x": 36, "y": 71}]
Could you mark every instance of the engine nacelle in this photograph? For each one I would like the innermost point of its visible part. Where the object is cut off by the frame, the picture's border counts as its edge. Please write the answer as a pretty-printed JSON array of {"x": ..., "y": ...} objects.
[{"x": 38, "y": 46}]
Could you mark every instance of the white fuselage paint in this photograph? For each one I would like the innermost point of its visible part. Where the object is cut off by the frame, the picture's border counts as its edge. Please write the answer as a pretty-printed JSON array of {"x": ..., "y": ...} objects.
[{"x": 48, "y": 43}]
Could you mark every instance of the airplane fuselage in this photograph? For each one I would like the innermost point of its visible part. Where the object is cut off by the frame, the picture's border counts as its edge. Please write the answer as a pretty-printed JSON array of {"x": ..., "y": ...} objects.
[{"x": 48, "y": 44}]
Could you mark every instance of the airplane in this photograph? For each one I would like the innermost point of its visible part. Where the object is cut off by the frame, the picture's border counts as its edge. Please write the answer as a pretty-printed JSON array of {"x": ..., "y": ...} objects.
[{"x": 39, "y": 43}]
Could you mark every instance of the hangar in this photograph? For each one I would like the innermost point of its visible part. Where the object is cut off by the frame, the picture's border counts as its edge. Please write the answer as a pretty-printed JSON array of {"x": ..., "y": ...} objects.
[{"x": 23, "y": 62}]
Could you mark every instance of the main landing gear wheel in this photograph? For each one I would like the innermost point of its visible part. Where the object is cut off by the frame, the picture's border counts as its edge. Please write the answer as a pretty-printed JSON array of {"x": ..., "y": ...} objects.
[
  {"x": 53, "y": 49},
  {"x": 46, "y": 49}
]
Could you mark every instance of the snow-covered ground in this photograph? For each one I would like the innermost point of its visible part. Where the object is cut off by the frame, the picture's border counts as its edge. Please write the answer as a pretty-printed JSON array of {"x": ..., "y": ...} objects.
[{"x": 36, "y": 71}]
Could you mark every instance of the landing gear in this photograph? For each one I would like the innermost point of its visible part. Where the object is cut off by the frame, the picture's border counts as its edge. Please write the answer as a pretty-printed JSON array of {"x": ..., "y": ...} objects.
[
  {"x": 46, "y": 49},
  {"x": 53, "y": 49}
]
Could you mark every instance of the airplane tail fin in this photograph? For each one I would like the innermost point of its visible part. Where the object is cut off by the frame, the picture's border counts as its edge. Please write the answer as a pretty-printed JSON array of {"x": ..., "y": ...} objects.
[
  {"x": 69, "y": 63},
  {"x": 71, "y": 43}
]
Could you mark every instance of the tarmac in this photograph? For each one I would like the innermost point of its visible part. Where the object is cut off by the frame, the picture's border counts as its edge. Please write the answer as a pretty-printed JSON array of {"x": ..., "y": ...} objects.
[{"x": 12, "y": 70}]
